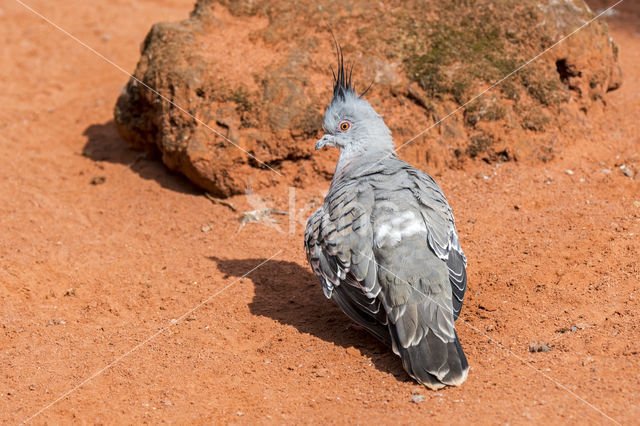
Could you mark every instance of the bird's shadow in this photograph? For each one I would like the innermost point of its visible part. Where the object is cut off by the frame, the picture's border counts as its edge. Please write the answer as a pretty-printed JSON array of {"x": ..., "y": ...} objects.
[
  {"x": 291, "y": 294},
  {"x": 105, "y": 144}
]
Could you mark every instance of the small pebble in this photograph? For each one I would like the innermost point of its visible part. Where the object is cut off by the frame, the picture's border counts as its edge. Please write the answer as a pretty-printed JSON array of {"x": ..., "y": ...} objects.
[
  {"x": 417, "y": 398},
  {"x": 569, "y": 172},
  {"x": 606, "y": 171},
  {"x": 206, "y": 228},
  {"x": 539, "y": 347},
  {"x": 98, "y": 180},
  {"x": 322, "y": 372},
  {"x": 353, "y": 351}
]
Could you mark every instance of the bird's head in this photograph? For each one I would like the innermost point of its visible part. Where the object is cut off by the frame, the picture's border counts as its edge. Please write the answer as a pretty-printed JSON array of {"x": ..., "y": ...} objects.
[{"x": 350, "y": 122}]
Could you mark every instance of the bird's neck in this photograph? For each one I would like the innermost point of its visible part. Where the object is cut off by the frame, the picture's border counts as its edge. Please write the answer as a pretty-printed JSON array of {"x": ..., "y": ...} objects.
[{"x": 354, "y": 161}]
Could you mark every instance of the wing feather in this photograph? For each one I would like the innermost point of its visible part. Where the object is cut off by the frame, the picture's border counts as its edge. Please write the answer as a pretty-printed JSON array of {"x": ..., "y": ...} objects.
[{"x": 337, "y": 242}]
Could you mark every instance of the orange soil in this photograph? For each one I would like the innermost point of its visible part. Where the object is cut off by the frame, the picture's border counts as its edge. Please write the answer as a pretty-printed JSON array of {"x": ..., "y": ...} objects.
[{"x": 88, "y": 272}]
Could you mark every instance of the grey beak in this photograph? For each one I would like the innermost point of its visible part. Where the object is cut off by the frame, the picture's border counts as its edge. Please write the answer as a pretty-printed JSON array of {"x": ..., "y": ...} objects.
[{"x": 322, "y": 142}]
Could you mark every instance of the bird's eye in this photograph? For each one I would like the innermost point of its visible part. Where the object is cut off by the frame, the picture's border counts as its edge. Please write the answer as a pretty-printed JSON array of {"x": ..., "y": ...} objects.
[{"x": 344, "y": 126}]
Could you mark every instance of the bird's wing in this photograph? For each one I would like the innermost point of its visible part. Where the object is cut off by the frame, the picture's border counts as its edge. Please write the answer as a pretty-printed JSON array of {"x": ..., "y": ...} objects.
[
  {"x": 338, "y": 247},
  {"x": 442, "y": 235},
  {"x": 421, "y": 273}
]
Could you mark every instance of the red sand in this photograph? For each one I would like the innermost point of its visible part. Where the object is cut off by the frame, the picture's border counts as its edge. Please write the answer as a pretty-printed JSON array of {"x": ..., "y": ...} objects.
[{"x": 88, "y": 272}]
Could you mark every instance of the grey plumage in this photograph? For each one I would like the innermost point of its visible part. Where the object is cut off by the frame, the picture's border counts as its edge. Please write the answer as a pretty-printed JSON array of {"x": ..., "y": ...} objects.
[{"x": 384, "y": 243}]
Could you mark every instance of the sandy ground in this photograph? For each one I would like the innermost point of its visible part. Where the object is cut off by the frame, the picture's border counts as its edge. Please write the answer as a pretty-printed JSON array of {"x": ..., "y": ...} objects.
[{"x": 104, "y": 255}]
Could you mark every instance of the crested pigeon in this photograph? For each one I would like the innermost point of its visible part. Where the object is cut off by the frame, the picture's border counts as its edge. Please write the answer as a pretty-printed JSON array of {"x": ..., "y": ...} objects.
[{"x": 384, "y": 243}]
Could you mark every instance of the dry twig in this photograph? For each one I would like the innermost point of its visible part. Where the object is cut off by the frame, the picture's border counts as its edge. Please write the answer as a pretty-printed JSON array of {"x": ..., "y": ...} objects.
[{"x": 220, "y": 201}]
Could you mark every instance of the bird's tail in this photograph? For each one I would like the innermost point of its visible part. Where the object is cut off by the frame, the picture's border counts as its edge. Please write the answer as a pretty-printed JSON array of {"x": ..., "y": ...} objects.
[{"x": 433, "y": 362}]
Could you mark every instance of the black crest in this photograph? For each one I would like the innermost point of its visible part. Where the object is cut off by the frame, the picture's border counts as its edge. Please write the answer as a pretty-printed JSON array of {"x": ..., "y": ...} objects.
[{"x": 341, "y": 78}]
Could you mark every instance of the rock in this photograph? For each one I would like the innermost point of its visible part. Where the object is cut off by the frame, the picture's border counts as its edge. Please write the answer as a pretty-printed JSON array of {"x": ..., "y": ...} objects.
[
  {"x": 626, "y": 171},
  {"x": 539, "y": 347},
  {"x": 417, "y": 390},
  {"x": 322, "y": 372},
  {"x": 241, "y": 85},
  {"x": 98, "y": 180},
  {"x": 417, "y": 398},
  {"x": 353, "y": 351},
  {"x": 488, "y": 306}
]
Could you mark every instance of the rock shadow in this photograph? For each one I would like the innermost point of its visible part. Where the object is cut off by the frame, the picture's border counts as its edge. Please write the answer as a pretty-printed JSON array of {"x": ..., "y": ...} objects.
[
  {"x": 105, "y": 144},
  {"x": 291, "y": 294}
]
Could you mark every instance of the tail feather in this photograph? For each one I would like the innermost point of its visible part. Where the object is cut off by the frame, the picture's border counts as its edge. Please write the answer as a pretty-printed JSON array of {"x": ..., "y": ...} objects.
[
  {"x": 459, "y": 369},
  {"x": 433, "y": 362}
]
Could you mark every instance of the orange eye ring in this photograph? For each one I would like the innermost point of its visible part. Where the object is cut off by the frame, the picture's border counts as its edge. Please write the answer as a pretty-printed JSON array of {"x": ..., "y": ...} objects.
[{"x": 344, "y": 126}]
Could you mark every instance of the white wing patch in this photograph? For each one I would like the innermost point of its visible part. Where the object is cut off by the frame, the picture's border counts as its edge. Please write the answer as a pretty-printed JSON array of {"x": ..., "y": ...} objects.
[{"x": 392, "y": 229}]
